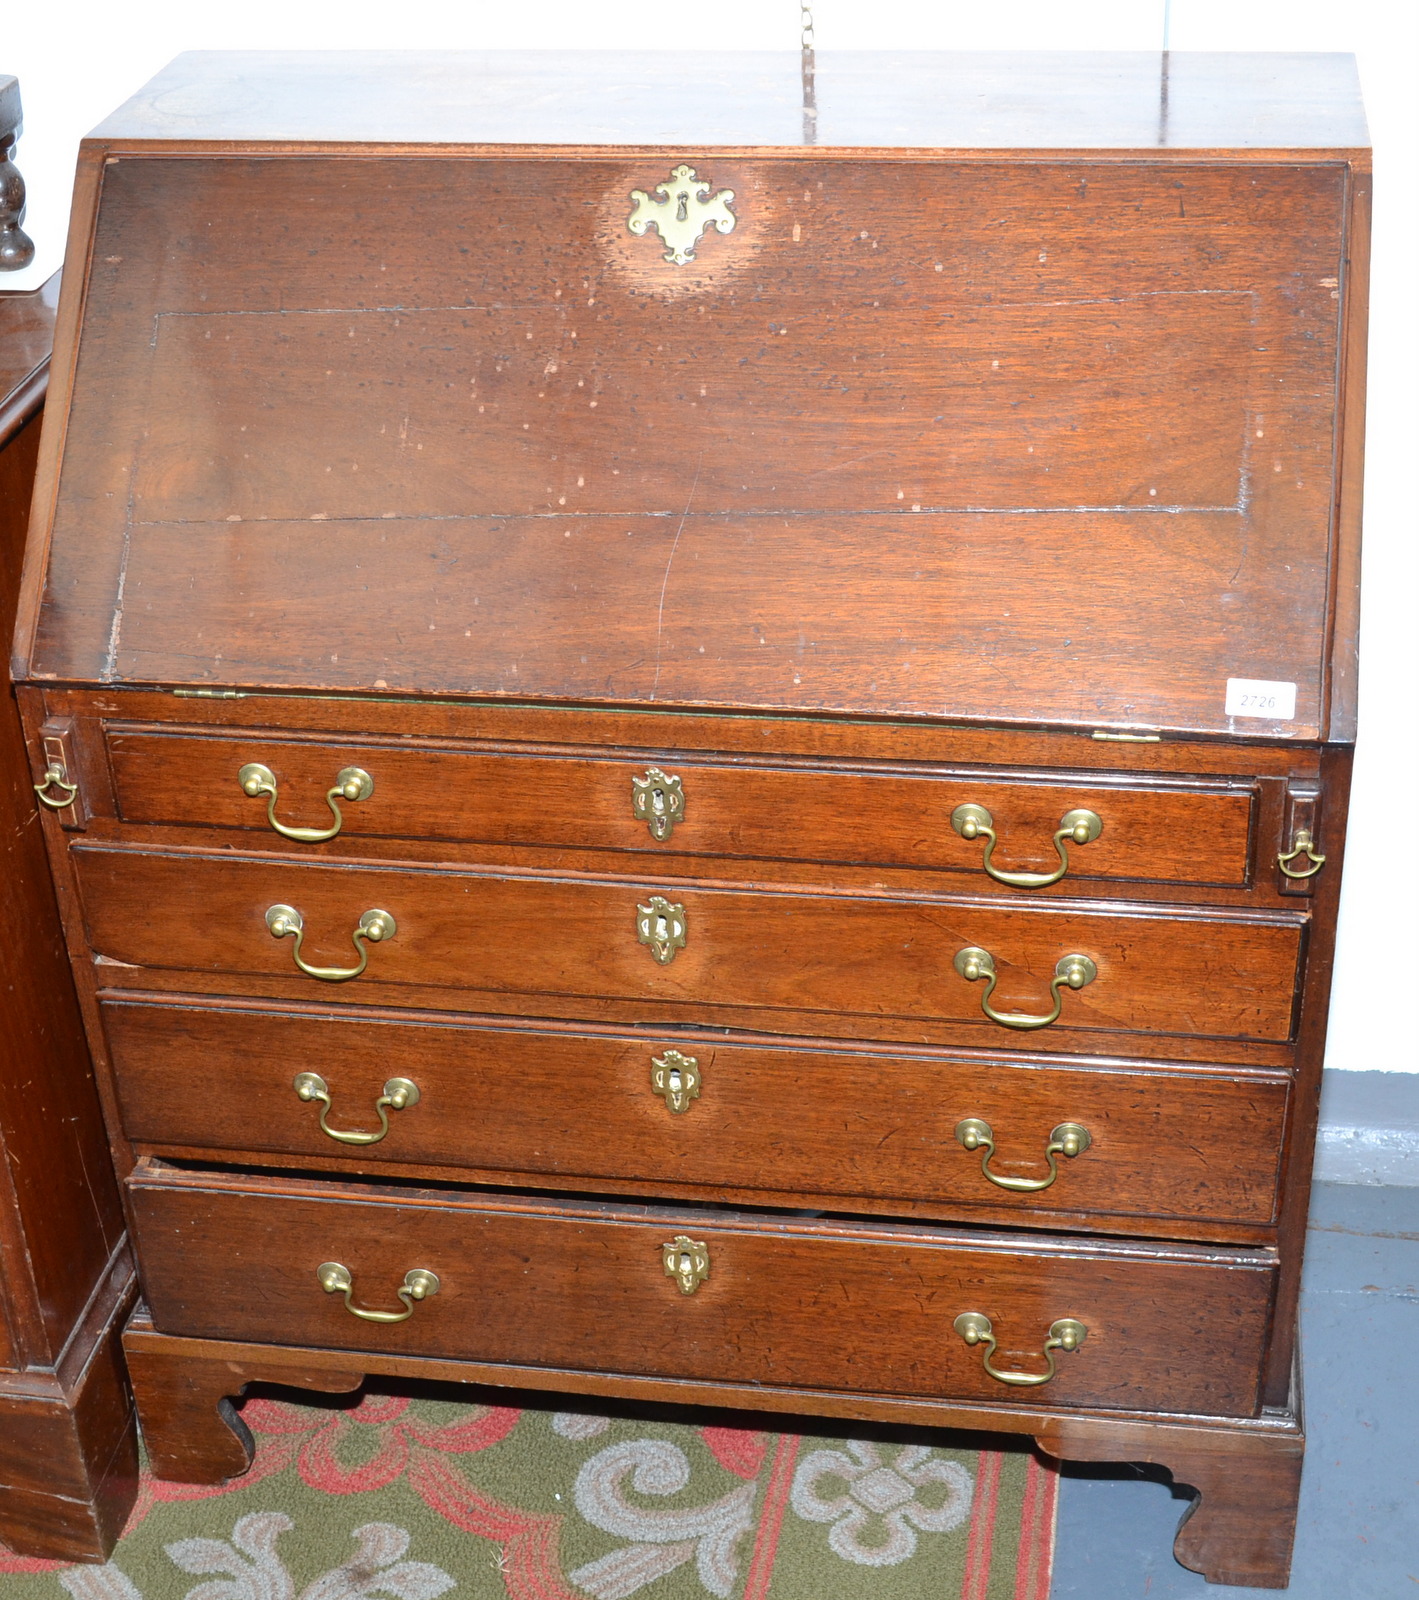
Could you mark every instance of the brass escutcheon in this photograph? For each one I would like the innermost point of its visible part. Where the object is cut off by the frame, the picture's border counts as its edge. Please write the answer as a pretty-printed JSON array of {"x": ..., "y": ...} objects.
[
  {"x": 351, "y": 783},
  {"x": 975, "y": 1328},
  {"x": 1074, "y": 971},
  {"x": 1305, "y": 846},
  {"x": 1075, "y": 827},
  {"x": 687, "y": 1261},
  {"x": 374, "y": 926},
  {"x": 56, "y": 777},
  {"x": 662, "y": 927},
  {"x": 398, "y": 1093},
  {"x": 683, "y": 214},
  {"x": 1068, "y": 1139},
  {"x": 676, "y": 1079},
  {"x": 658, "y": 800},
  {"x": 419, "y": 1284}
]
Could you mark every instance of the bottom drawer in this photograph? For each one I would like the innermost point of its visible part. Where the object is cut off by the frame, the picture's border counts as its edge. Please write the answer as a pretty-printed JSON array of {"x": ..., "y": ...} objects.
[{"x": 710, "y": 1295}]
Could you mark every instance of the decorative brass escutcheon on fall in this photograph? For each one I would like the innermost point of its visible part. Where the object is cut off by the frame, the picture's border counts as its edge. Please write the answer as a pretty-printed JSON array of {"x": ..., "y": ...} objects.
[
  {"x": 658, "y": 800},
  {"x": 661, "y": 926},
  {"x": 676, "y": 1079},
  {"x": 683, "y": 215},
  {"x": 687, "y": 1261}
]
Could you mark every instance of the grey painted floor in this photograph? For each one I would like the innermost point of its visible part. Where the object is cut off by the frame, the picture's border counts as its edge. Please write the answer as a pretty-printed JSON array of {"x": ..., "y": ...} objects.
[{"x": 1358, "y": 1535}]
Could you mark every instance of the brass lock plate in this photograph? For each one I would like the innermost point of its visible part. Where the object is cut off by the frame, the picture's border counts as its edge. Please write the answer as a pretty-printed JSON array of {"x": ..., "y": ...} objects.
[
  {"x": 661, "y": 927},
  {"x": 658, "y": 800},
  {"x": 676, "y": 1079},
  {"x": 686, "y": 208}
]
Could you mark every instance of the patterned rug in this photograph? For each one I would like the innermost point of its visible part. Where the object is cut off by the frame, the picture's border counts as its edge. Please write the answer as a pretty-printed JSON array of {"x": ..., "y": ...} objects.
[{"x": 393, "y": 1497}]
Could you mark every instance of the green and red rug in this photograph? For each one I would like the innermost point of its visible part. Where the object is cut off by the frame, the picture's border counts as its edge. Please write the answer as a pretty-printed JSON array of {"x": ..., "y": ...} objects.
[{"x": 392, "y": 1498}]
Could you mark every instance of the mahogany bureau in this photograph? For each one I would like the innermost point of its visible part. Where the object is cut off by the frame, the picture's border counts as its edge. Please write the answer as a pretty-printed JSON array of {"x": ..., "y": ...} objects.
[{"x": 707, "y": 766}]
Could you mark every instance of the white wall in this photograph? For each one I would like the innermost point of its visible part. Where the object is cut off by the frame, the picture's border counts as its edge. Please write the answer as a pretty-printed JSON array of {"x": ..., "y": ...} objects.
[{"x": 80, "y": 59}]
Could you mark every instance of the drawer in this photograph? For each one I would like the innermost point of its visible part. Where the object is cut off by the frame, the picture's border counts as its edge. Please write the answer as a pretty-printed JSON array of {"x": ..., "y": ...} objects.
[
  {"x": 460, "y": 933},
  {"x": 810, "y": 1304},
  {"x": 574, "y": 1106},
  {"x": 1185, "y": 833}
]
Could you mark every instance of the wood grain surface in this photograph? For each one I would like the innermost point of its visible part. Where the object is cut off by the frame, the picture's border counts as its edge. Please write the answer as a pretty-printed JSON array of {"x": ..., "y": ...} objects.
[
  {"x": 1198, "y": 835},
  {"x": 569, "y": 1107},
  {"x": 459, "y": 933},
  {"x": 1157, "y": 468},
  {"x": 816, "y": 1304}
]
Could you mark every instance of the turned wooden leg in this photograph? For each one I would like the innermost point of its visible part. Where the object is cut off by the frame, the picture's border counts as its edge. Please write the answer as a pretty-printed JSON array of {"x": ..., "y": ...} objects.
[
  {"x": 1241, "y": 1527},
  {"x": 183, "y": 1391}
]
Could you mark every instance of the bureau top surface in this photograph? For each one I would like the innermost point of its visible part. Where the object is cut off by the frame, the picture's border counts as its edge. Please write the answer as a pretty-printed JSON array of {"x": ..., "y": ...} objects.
[
  {"x": 918, "y": 99},
  {"x": 1038, "y": 436}
]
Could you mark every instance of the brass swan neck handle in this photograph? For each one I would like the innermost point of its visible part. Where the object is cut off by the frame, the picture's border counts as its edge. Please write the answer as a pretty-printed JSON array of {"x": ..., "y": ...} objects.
[
  {"x": 419, "y": 1283},
  {"x": 351, "y": 784},
  {"x": 975, "y": 1328},
  {"x": 374, "y": 926},
  {"x": 1068, "y": 1139},
  {"x": 1072, "y": 972},
  {"x": 1075, "y": 827},
  {"x": 398, "y": 1093}
]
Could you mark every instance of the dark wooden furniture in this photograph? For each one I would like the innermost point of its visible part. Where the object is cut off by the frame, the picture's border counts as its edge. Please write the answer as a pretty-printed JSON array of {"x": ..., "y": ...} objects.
[
  {"x": 735, "y": 797},
  {"x": 68, "y": 1444}
]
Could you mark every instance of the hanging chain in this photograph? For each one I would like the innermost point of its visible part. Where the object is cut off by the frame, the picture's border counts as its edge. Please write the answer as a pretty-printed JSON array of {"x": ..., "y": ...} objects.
[{"x": 805, "y": 10}]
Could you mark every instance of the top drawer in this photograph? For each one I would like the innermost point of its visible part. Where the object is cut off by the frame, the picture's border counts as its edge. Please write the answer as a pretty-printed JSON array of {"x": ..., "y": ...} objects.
[{"x": 1180, "y": 832}]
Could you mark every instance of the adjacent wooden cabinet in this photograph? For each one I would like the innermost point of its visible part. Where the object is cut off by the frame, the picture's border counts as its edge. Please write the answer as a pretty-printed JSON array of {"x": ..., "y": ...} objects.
[
  {"x": 690, "y": 764},
  {"x": 68, "y": 1444}
]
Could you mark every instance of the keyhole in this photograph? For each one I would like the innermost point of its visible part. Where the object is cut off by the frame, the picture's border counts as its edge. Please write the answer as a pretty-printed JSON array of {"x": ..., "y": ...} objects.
[
  {"x": 675, "y": 1082},
  {"x": 682, "y": 205},
  {"x": 657, "y": 802},
  {"x": 662, "y": 928}
]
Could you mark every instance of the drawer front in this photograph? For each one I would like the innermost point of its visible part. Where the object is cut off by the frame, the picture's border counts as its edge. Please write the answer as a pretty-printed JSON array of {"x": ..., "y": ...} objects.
[
  {"x": 828, "y": 954},
  {"x": 800, "y": 1304},
  {"x": 577, "y": 1106},
  {"x": 1187, "y": 834}
]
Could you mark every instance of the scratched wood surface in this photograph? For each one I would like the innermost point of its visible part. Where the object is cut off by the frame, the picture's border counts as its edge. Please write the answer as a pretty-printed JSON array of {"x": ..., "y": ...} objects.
[
  {"x": 1063, "y": 431},
  {"x": 461, "y": 935},
  {"x": 1022, "y": 415},
  {"x": 866, "y": 1306},
  {"x": 1195, "y": 835},
  {"x": 567, "y": 1107}
]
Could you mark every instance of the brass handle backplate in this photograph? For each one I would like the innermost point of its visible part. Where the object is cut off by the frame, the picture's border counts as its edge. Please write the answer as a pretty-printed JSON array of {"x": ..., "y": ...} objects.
[
  {"x": 1075, "y": 827},
  {"x": 374, "y": 926},
  {"x": 1066, "y": 1335},
  {"x": 56, "y": 777},
  {"x": 353, "y": 783},
  {"x": 419, "y": 1284},
  {"x": 658, "y": 800},
  {"x": 1304, "y": 846},
  {"x": 687, "y": 1261},
  {"x": 1068, "y": 1139},
  {"x": 398, "y": 1093},
  {"x": 1070, "y": 971},
  {"x": 662, "y": 927},
  {"x": 676, "y": 1079}
]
